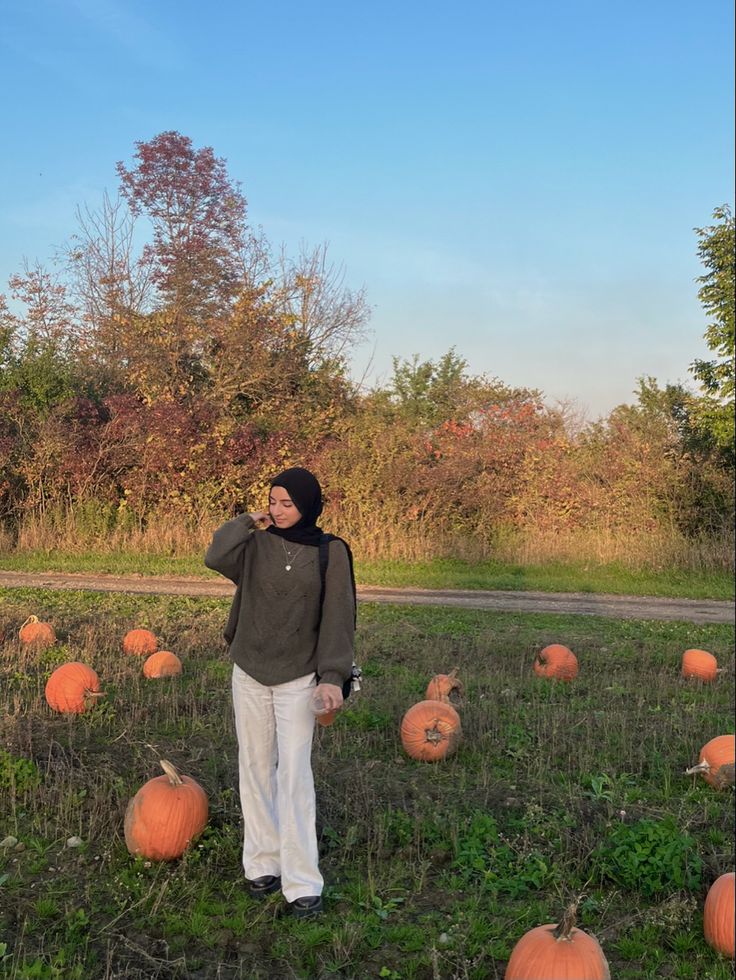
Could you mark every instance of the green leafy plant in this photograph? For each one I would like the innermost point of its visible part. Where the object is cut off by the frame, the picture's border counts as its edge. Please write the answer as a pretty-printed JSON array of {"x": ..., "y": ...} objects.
[
  {"x": 383, "y": 907},
  {"x": 503, "y": 866},
  {"x": 599, "y": 787},
  {"x": 649, "y": 856},
  {"x": 19, "y": 773}
]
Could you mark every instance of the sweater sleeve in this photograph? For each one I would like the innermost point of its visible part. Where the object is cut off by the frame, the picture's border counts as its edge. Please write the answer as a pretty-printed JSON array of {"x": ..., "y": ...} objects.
[
  {"x": 225, "y": 553},
  {"x": 337, "y": 628}
]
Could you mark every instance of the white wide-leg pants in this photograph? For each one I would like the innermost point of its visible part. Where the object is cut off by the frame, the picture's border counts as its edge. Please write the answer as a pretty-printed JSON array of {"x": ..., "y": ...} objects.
[{"x": 275, "y": 727}]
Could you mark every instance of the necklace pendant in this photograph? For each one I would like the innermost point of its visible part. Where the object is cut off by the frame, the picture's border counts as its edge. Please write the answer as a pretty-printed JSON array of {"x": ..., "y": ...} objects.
[{"x": 287, "y": 567}]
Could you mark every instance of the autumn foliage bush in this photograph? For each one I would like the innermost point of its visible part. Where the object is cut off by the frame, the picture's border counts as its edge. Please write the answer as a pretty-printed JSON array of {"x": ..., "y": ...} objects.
[
  {"x": 107, "y": 470},
  {"x": 155, "y": 391}
]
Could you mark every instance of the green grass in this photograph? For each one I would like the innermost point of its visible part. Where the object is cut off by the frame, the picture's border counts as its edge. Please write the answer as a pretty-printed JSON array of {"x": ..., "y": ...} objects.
[
  {"x": 550, "y": 577},
  {"x": 113, "y": 563},
  {"x": 431, "y": 870},
  {"x": 439, "y": 573}
]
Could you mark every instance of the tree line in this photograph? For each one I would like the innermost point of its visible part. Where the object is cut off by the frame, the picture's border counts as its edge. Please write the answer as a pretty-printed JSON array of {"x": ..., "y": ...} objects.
[{"x": 173, "y": 361}]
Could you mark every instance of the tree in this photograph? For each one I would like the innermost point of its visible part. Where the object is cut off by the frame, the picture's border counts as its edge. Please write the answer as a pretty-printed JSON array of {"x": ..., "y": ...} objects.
[
  {"x": 198, "y": 219},
  {"x": 317, "y": 305},
  {"x": 38, "y": 359},
  {"x": 111, "y": 287},
  {"x": 8, "y": 329},
  {"x": 428, "y": 392},
  {"x": 716, "y": 377}
]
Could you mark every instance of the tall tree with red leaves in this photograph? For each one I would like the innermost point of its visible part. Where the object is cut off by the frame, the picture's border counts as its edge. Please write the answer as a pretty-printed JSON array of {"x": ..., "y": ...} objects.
[{"x": 198, "y": 220}]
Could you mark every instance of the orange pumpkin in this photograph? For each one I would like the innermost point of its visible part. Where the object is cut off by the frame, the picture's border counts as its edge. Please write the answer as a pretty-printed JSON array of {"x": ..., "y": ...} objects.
[
  {"x": 716, "y": 763},
  {"x": 699, "y": 664},
  {"x": 36, "y": 633},
  {"x": 558, "y": 952},
  {"x": 139, "y": 643},
  {"x": 72, "y": 687},
  {"x": 718, "y": 914},
  {"x": 442, "y": 686},
  {"x": 165, "y": 816},
  {"x": 430, "y": 730},
  {"x": 162, "y": 664},
  {"x": 556, "y": 661}
]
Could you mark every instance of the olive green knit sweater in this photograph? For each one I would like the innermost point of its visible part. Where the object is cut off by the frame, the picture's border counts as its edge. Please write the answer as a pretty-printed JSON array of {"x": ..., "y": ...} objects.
[{"x": 275, "y": 632}]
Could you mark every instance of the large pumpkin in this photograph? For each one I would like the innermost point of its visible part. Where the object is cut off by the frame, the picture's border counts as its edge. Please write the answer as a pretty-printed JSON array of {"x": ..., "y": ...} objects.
[
  {"x": 430, "y": 730},
  {"x": 716, "y": 763},
  {"x": 139, "y": 643},
  {"x": 699, "y": 664},
  {"x": 36, "y": 633},
  {"x": 162, "y": 664},
  {"x": 72, "y": 688},
  {"x": 557, "y": 952},
  {"x": 556, "y": 661},
  {"x": 442, "y": 686},
  {"x": 165, "y": 816},
  {"x": 718, "y": 914}
]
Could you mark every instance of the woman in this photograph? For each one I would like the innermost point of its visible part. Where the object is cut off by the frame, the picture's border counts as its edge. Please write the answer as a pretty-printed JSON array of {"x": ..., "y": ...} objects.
[{"x": 291, "y": 642}]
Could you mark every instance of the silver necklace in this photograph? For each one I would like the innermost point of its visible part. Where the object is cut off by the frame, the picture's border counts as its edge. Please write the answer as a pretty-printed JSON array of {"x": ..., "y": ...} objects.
[{"x": 289, "y": 556}]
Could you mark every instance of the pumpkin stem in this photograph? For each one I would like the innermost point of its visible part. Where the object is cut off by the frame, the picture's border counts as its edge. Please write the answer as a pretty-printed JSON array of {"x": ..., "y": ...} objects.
[
  {"x": 174, "y": 777},
  {"x": 433, "y": 735},
  {"x": 94, "y": 694},
  {"x": 701, "y": 767},
  {"x": 457, "y": 684},
  {"x": 28, "y": 622},
  {"x": 563, "y": 930}
]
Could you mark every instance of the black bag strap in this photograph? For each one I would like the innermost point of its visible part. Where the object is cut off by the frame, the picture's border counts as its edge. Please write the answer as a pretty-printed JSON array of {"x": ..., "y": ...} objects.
[{"x": 324, "y": 560}]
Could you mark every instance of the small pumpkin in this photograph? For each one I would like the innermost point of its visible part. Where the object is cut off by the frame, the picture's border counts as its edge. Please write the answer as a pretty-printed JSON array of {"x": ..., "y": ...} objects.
[
  {"x": 165, "y": 816},
  {"x": 557, "y": 662},
  {"x": 558, "y": 952},
  {"x": 700, "y": 665},
  {"x": 164, "y": 663},
  {"x": 36, "y": 633},
  {"x": 430, "y": 731},
  {"x": 72, "y": 687},
  {"x": 139, "y": 643},
  {"x": 443, "y": 686},
  {"x": 716, "y": 762},
  {"x": 718, "y": 914}
]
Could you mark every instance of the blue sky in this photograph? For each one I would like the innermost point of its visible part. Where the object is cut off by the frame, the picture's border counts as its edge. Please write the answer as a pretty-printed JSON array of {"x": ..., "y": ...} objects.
[{"x": 517, "y": 180}]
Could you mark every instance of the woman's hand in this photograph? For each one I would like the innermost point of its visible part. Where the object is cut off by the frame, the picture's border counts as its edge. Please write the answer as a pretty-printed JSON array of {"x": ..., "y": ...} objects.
[
  {"x": 330, "y": 694},
  {"x": 261, "y": 515}
]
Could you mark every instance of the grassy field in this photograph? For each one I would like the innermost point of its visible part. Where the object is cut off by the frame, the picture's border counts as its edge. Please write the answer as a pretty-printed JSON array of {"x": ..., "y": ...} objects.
[
  {"x": 433, "y": 872},
  {"x": 551, "y": 576}
]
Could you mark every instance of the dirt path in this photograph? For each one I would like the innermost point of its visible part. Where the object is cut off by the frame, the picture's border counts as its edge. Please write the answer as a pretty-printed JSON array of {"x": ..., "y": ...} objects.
[{"x": 576, "y": 603}]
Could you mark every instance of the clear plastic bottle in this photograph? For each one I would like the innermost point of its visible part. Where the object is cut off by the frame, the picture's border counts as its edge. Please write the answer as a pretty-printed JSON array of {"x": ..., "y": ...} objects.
[{"x": 317, "y": 705}]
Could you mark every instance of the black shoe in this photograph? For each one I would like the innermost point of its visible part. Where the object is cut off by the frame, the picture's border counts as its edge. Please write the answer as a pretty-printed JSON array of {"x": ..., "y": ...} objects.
[
  {"x": 266, "y": 885},
  {"x": 302, "y": 908}
]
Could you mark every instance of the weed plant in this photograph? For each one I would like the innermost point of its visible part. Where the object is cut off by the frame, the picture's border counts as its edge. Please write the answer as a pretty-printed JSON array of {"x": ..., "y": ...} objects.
[{"x": 432, "y": 871}]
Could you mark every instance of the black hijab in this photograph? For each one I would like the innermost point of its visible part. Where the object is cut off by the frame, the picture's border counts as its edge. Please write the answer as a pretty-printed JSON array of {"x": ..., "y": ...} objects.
[{"x": 306, "y": 494}]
